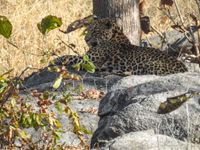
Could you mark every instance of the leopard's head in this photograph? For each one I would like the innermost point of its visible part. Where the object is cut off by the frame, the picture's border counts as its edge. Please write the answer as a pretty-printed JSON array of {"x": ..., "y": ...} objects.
[
  {"x": 103, "y": 30},
  {"x": 99, "y": 31}
]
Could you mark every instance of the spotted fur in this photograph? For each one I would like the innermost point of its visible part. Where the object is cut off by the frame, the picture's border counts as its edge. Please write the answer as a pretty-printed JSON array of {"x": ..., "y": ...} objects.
[{"x": 111, "y": 51}]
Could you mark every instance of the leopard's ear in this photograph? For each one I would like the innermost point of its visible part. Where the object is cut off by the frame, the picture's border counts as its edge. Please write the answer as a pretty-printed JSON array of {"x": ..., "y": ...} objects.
[{"x": 79, "y": 24}]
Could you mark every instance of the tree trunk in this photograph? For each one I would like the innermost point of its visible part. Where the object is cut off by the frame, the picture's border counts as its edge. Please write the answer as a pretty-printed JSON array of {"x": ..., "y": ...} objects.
[{"x": 126, "y": 13}]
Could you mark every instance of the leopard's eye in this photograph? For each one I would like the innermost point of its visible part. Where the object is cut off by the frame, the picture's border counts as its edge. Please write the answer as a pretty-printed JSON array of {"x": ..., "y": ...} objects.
[{"x": 108, "y": 25}]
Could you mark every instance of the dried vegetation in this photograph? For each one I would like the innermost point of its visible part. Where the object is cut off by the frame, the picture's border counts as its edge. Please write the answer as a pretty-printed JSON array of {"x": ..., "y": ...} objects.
[{"x": 28, "y": 47}]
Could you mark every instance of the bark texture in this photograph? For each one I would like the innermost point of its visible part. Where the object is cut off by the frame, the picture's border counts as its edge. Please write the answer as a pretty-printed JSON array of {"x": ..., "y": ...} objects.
[{"x": 126, "y": 13}]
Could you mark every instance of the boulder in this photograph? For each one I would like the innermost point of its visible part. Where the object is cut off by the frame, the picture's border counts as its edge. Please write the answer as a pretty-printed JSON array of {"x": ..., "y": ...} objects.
[
  {"x": 148, "y": 140},
  {"x": 129, "y": 110},
  {"x": 132, "y": 105}
]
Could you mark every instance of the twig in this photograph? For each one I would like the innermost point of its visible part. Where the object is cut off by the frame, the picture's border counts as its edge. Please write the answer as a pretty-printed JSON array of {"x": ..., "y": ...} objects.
[
  {"x": 195, "y": 42},
  {"x": 162, "y": 36},
  {"x": 198, "y": 53},
  {"x": 198, "y": 4},
  {"x": 7, "y": 72},
  {"x": 168, "y": 14},
  {"x": 158, "y": 32},
  {"x": 11, "y": 43},
  {"x": 7, "y": 93},
  {"x": 70, "y": 47},
  {"x": 179, "y": 13},
  {"x": 27, "y": 68}
]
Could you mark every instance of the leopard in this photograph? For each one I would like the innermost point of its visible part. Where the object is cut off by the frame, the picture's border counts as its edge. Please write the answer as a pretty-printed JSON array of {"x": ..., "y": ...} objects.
[{"x": 111, "y": 51}]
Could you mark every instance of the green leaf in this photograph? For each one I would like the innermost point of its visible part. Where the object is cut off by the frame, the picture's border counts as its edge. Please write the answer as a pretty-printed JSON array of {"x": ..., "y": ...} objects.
[
  {"x": 29, "y": 120},
  {"x": 12, "y": 127},
  {"x": 13, "y": 102},
  {"x": 86, "y": 58},
  {"x": 5, "y": 27},
  {"x": 89, "y": 67},
  {"x": 91, "y": 64},
  {"x": 57, "y": 83},
  {"x": 84, "y": 33},
  {"x": 59, "y": 107},
  {"x": 57, "y": 124},
  {"x": 45, "y": 95},
  {"x": 84, "y": 130},
  {"x": 3, "y": 84},
  {"x": 77, "y": 66},
  {"x": 38, "y": 120},
  {"x": 172, "y": 103},
  {"x": 49, "y": 23},
  {"x": 56, "y": 134},
  {"x": 22, "y": 134}
]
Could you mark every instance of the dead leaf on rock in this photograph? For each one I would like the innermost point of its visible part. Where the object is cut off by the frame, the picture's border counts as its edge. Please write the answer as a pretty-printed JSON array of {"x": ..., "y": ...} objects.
[
  {"x": 172, "y": 103},
  {"x": 79, "y": 147},
  {"x": 93, "y": 94},
  {"x": 89, "y": 110}
]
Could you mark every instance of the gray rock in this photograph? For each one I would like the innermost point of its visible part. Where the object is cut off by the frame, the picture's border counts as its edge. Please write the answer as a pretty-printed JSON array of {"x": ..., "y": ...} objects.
[
  {"x": 148, "y": 140},
  {"x": 43, "y": 80},
  {"x": 87, "y": 120},
  {"x": 175, "y": 79},
  {"x": 132, "y": 106}
]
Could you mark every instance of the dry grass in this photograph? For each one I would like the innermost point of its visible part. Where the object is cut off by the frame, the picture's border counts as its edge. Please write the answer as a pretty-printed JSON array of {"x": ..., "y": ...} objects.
[
  {"x": 186, "y": 7},
  {"x": 25, "y": 14}
]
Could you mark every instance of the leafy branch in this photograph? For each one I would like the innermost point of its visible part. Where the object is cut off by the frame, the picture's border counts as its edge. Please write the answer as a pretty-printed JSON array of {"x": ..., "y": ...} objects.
[{"x": 17, "y": 113}]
